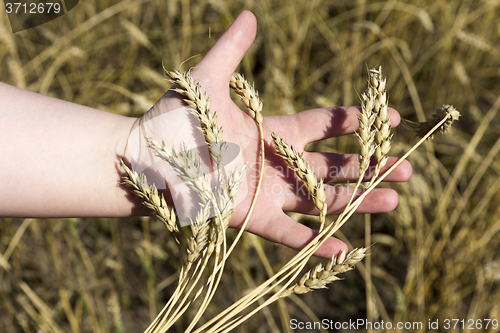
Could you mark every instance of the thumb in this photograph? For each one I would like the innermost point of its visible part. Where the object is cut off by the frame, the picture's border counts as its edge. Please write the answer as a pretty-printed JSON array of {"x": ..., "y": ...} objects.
[{"x": 221, "y": 61}]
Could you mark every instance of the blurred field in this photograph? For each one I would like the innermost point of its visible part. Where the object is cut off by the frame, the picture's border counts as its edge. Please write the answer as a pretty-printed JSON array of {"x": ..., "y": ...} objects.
[{"x": 437, "y": 256}]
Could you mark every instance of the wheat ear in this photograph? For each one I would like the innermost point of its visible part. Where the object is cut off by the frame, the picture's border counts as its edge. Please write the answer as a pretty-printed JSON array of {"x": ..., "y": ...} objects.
[
  {"x": 302, "y": 169},
  {"x": 152, "y": 199},
  {"x": 376, "y": 92},
  {"x": 320, "y": 276},
  {"x": 200, "y": 102},
  {"x": 366, "y": 132},
  {"x": 383, "y": 136},
  {"x": 250, "y": 97},
  {"x": 374, "y": 136},
  {"x": 421, "y": 129}
]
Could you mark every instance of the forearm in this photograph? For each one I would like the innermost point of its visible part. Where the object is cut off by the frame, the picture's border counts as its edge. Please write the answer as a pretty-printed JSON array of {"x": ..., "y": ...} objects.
[{"x": 59, "y": 159}]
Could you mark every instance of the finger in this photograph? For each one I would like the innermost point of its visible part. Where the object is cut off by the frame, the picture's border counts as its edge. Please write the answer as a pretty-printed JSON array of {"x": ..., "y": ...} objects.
[
  {"x": 379, "y": 200},
  {"x": 341, "y": 168},
  {"x": 319, "y": 124},
  {"x": 218, "y": 65},
  {"x": 286, "y": 231}
]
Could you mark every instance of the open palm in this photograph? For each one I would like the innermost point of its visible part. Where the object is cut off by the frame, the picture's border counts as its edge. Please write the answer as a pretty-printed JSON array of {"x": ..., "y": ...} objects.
[{"x": 281, "y": 190}]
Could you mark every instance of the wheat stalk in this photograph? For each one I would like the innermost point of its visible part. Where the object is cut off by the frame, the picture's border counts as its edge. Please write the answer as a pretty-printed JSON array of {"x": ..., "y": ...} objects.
[
  {"x": 292, "y": 268},
  {"x": 376, "y": 95},
  {"x": 205, "y": 239},
  {"x": 303, "y": 255},
  {"x": 208, "y": 234},
  {"x": 223, "y": 199}
]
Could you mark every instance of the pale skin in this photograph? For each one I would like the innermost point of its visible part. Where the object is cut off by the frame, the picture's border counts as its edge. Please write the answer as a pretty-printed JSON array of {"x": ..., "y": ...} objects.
[{"x": 61, "y": 159}]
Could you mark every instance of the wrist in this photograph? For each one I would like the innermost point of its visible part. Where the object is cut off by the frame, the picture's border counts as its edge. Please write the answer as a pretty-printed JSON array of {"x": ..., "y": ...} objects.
[{"x": 128, "y": 142}]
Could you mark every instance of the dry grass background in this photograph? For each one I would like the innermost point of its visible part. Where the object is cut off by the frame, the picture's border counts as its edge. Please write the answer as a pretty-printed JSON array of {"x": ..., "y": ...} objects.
[{"x": 436, "y": 256}]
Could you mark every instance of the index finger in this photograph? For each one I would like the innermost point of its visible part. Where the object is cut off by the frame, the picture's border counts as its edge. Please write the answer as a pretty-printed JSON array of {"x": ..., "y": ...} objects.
[{"x": 323, "y": 123}]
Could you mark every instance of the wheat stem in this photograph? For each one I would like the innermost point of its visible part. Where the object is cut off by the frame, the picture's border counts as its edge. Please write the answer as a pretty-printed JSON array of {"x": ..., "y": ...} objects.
[
  {"x": 212, "y": 286},
  {"x": 309, "y": 249}
]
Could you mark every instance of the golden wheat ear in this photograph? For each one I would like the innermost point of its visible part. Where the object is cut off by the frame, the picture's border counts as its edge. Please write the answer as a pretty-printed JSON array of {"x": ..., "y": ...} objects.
[{"x": 421, "y": 129}]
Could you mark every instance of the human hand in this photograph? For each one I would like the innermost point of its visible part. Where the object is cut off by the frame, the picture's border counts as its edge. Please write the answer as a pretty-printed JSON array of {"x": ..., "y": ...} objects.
[{"x": 281, "y": 190}]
